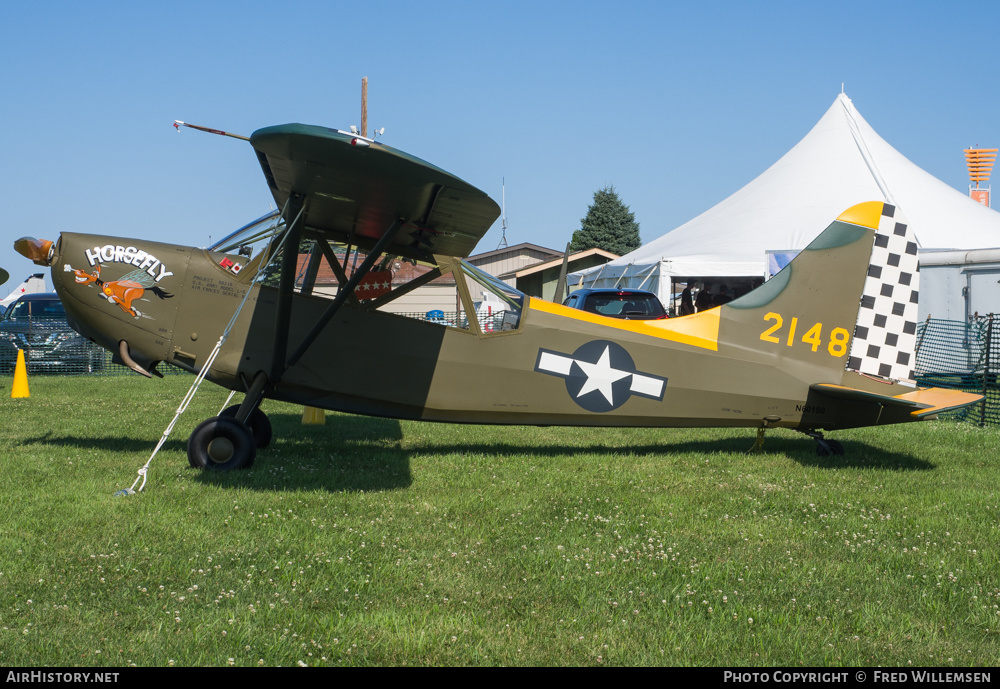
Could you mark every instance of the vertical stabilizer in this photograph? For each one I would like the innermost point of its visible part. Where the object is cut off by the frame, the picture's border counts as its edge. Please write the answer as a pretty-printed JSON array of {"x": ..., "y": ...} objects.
[
  {"x": 885, "y": 336},
  {"x": 846, "y": 303}
]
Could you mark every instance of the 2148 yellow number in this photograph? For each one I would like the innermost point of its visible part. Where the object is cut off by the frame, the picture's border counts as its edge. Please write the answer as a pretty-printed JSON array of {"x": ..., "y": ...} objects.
[{"x": 836, "y": 345}]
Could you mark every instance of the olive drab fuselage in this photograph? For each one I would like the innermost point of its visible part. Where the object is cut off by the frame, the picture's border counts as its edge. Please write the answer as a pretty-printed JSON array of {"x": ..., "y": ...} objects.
[{"x": 749, "y": 363}]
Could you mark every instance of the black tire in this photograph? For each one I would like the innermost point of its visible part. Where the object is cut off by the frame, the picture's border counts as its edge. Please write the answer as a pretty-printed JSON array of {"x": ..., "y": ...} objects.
[
  {"x": 221, "y": 444},
  {"x": 829, "y": 448},
  {"x": 258, "y": 422}
]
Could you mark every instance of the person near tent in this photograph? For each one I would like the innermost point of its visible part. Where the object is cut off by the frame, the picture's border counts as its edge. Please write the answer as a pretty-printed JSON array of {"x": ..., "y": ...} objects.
[
  {"x": 703, "y": 301},
  {"x": 687, "y": 303},
  {"x": 723, "y": 296}
]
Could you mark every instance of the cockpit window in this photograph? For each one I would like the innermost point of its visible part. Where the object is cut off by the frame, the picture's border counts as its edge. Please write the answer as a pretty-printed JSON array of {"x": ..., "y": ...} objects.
[
  {"x": 249, "y": 239},
  {"x": 456, "y": 289},
  {"x": 255, "y": 242},
  {"x": 498, "y": 305}
]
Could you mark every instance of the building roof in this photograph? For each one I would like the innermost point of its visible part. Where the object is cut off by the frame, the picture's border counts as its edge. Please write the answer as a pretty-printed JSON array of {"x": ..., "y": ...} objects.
[
  {"x": 538, "y": 267},
  {"x": 515, "y": 249}
]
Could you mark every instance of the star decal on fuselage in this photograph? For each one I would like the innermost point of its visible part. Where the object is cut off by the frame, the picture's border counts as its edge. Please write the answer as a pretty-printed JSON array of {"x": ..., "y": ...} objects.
[{"x": 600, "y": 375}]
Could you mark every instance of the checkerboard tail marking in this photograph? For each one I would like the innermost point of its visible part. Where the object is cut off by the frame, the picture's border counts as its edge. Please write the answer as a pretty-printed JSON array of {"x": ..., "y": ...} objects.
[{"x": 885, "y": 336}]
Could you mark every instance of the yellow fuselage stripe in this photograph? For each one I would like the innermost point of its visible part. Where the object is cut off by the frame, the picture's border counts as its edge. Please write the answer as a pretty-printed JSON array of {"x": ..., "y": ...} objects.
[{"x": 698, "y": 330}]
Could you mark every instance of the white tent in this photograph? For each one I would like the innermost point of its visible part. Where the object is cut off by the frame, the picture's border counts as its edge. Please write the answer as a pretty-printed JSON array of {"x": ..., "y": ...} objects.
[{"x": 839, "y": 163}]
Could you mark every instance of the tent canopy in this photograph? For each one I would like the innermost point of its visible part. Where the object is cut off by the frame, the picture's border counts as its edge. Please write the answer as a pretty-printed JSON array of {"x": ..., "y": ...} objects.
[{"x": 842, "y": 161}]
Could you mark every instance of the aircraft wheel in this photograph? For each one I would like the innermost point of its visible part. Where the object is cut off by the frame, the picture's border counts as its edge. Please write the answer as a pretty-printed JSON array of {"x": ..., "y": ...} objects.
[
  {"x": 221, "y": 444},
  {"x": 258, "y": 422},
  {"x": 826, "y": 448}
]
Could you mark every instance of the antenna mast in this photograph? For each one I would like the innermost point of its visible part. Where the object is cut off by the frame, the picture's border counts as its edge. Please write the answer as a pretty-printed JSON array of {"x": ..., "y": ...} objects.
[
  {"x": 364, "y": 107},
  {"x": 503, "y": 214}
]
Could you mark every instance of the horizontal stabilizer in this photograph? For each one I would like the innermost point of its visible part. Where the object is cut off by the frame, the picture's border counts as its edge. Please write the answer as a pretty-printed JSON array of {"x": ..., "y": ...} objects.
[{"x": 922, "y": 402}]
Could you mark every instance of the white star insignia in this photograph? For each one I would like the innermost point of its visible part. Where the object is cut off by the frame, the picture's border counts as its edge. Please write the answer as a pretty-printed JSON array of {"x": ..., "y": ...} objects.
[{"x": 601, "y": 376}]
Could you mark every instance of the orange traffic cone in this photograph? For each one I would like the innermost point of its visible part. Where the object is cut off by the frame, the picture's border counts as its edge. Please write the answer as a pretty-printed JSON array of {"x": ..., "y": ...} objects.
[
  {"x": 20, "y": 388},
  {"x": 313, "y": 416}
]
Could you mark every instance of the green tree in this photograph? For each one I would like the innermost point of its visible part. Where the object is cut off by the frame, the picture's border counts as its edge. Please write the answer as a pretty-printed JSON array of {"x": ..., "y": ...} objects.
[{"x": 609, "y": 225}]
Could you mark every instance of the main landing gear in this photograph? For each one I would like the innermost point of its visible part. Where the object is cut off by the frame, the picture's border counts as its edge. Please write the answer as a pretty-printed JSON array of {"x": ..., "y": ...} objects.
[
  {"x": 231, "y": 440},
  {"x": 257, "y": 422},
  {"x": 221, "y": 443}
]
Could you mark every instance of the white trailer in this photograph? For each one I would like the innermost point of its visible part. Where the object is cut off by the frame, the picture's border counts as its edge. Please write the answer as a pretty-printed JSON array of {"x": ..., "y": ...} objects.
[{"x": 959, "y": 285}]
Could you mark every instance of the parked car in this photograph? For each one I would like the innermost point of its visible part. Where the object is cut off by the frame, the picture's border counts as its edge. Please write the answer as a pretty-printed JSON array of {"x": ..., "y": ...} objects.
[
  {"x": 36, "y": 323},
  {"x": 630, "y": 304}
]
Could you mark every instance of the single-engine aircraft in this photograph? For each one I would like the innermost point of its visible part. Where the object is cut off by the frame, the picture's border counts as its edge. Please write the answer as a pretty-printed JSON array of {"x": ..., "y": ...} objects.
[{"x": 827, "y": 344}]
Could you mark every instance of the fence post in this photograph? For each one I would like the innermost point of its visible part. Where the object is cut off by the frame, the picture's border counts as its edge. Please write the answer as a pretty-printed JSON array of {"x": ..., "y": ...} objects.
[
  {"x": 986, "y": 370},
  {"x": 920, "y": 341}
]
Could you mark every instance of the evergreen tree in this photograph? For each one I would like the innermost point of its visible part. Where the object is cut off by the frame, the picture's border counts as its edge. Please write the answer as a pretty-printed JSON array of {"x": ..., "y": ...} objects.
[{"x": 609, "y": 225}]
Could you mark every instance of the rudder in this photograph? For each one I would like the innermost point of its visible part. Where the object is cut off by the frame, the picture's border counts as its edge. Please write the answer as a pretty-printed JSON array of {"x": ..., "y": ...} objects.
[{"x": 885, "y": 335}]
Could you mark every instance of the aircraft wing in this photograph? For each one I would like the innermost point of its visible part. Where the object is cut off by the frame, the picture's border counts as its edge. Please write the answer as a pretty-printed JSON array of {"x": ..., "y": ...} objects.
[
  {"x": 922, "y": 402},
  {"x": 355, "y": 190}
]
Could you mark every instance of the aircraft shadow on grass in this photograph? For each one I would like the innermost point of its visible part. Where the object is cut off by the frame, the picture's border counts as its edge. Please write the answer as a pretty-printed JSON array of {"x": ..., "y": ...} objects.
[
  {"x": 858, "y": 455},
  {"x": 365, "y": 453},
  {"x": 117, "y": 443},
  {"x": 357, "y": 453}
]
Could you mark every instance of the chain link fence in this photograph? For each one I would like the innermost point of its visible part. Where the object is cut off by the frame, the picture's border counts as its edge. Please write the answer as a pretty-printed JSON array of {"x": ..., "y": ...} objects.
[
  {"x": 36, "y": 326},
  {"x": 488, "y": 321},
  {"x": 49, "y": 346},
  {"x": 964, "y": 356},
  {"x": 80, "y": 357}
]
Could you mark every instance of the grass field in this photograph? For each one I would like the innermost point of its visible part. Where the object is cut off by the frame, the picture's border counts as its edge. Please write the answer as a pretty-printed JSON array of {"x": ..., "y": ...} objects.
[{"x": 377, "y": 542}]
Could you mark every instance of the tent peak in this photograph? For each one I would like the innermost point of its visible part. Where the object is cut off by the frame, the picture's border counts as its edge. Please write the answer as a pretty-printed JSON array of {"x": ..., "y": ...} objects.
[{"x": 840, "y": 162}]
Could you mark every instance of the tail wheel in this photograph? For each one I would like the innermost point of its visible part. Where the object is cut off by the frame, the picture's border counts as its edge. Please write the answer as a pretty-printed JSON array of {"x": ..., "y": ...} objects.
[
  {"x": 221, "y": 444},
  {"x": 827, "y": 448},
  {"x": 258, "y": 422}
]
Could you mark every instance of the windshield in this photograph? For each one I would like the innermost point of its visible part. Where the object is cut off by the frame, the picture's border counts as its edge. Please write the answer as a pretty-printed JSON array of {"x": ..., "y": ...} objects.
[
  {"x": 625, "y": 304},
  {"x": 249, "y": 239},
  {"x": 40, "y": 310}
]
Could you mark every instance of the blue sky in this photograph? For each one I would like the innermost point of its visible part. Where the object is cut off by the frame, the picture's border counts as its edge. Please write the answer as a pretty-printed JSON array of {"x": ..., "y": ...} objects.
[{"x": 677, "y": 105}]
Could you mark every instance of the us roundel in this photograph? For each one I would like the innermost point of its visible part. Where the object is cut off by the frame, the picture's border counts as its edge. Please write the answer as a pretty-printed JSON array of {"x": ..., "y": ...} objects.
[{"x": 600, "y": 375}]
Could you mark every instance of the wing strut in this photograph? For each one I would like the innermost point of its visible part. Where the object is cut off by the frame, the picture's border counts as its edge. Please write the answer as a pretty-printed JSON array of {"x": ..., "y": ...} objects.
[
  {"x": 338, "y": 270},
  {"x": 312, "y": 268},
  {"x": 344, "y": 293},
  {"x": 286, "y": 284}
]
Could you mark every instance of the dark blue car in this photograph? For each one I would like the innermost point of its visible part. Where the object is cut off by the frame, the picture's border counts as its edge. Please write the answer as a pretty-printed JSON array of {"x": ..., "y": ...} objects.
[
  {"x": 630, "y": 304},
  {"x": 36, "y": 324}
]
